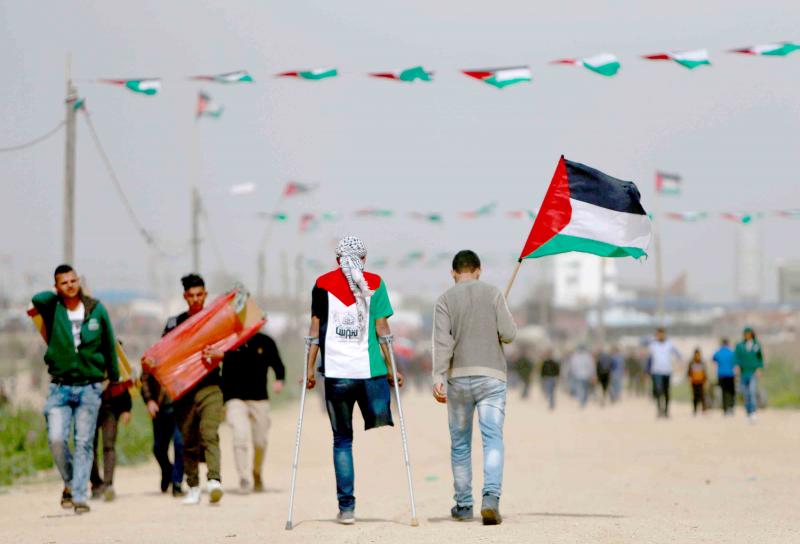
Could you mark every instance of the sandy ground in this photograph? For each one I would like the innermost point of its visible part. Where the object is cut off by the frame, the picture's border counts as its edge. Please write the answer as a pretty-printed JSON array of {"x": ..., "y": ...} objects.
[{"x": 612, "y": 474}]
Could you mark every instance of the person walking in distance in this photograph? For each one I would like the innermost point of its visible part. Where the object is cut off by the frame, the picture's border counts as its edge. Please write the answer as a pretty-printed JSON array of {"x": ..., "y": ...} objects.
[
  {"x": 551, "y": 368},
  {"x": 165, "y": 430},
  {"x": 749, "y": 359},
  {"x": 696, "y": 372},
  {"x": 350, "y": 312},
  {"x": 81, "y": 353},
  {"x": 582, "y": 373},
  {"x": 662, "y": 353},
  {"x": 246, "y": 396},
  {"x": 726, "y": 376},
  {"x": 470, "y": 325}
]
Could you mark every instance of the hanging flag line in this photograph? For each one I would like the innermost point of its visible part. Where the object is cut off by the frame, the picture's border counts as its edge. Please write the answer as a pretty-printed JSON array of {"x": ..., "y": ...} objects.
[
  {"x": 604, "y": 64},
  {"x": 312, "y": 219}
]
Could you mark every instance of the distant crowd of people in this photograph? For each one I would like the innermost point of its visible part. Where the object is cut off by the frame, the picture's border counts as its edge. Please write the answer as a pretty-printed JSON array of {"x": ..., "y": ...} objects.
[{"x": 603, "y": 374}]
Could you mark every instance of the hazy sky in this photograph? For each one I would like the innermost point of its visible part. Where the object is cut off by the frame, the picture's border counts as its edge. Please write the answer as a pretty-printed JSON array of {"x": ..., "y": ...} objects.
[{"x": 731, "y": 130}]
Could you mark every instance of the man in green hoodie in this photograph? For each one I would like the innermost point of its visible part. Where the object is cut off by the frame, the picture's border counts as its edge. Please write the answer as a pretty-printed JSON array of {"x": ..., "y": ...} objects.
[
  {"x": 749, "y": 360},
  {"x": 81, "y": 353}
]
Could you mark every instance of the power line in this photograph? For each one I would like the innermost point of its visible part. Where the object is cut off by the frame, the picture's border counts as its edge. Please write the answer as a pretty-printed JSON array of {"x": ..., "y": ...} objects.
[
  {"x": 148, "y": 238},
  {"x": 35, "y": 141}
]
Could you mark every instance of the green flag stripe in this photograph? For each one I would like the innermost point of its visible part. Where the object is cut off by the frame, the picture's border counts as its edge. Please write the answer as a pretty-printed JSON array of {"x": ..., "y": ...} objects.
[{"x": 563, "y": 243}]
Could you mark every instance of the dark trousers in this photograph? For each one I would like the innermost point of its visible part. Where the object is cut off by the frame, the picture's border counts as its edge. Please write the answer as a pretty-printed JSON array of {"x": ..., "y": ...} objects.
[
  {"x": 661, "y": 393},
  {"x": 698, "y": 397},
  {"x": 728, "y": 386},
  {"x": 341, "y": 395},
  {"x": 199, "y": 415},
  {"x": 165, "y": 430},
  {"x": 107, "y": 423}
]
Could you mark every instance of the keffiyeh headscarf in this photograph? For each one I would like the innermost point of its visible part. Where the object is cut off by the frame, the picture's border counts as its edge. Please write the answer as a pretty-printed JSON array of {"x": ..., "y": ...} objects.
[{"x": 350, "y": 252}]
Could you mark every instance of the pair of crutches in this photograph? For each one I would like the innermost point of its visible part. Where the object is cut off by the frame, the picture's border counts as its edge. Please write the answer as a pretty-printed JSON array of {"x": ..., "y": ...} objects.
[{"x": 388, "y": 340}]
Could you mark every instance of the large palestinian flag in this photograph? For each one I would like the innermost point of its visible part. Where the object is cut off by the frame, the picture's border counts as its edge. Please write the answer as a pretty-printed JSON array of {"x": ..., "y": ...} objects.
[
  {"x": 769, "y": 49},
  {"x": 501, "y": 77},
  {"x": 588, "y": 211},
  {"x": 604, "y": 64},
  {"x": 687, "y": 59},
  {"x": 318, "y": 73}
]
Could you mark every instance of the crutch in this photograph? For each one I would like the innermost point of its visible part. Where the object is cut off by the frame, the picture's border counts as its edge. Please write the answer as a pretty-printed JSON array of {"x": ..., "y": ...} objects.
[
  {"x": 388, "y": 339},
  {"x": 308, "y": 341}
]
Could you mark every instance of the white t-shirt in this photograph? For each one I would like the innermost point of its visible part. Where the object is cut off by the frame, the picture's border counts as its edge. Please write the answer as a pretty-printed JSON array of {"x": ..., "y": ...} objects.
[
  {"x": 76, "y": 317},
  {"x": 661, "y": 356}
]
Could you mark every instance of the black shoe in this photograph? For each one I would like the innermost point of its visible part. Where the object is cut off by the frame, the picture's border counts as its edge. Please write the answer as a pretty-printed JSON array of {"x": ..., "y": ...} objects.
[
  {"x": 97, "y": 492},
  {"x": 461, "y": 513},
  {"x": 66, "y": 498},
  {"x": 82, "y": 508},
  {"x": 490, "y": 510},
  {"x": 177, "y": 489},
  {"x": 165, "y": 483}
]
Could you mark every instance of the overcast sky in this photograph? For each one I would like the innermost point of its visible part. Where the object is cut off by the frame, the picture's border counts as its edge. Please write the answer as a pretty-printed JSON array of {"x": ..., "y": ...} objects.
[{"x": 730, "y": 130}]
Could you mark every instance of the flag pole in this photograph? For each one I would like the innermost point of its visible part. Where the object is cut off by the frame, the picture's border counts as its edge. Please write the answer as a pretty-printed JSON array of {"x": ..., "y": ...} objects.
[{"x": 513, "y": 278}]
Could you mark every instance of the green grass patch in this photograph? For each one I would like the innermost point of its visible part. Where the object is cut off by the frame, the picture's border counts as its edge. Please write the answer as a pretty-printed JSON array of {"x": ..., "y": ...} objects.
[
  {"x": 24, "y": 450},
  {"x": 781, "y": 381}
]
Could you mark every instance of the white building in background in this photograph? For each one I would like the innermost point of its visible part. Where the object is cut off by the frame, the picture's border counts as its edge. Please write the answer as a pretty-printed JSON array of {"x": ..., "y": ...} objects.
[
  {"x": 577, "y": 280},
  {"x": 749, "y": 262},
  {"x": 789, "y": 283}
]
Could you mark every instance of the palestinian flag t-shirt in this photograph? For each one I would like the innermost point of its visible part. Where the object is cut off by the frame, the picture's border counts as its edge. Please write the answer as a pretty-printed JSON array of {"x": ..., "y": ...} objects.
[{"x": 346, "y": 353}]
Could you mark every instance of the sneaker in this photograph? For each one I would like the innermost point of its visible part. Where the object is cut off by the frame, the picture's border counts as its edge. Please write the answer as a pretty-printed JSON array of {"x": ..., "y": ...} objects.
[
  {"x": 490, "y": 510},
  {"x": 346, "y": 517},
  {"x": 97, "y": 492},
  {"x": 193, "y": 496},
  {"x": 461, "y": 513},
  {"x": 109, "y": 494},
  {"x": 66, "y": 498},
  {"x": 214, "y": 491},
  {"x": 82, "y": 508},
  {"x": 751, "y": 418},
  {"x": 258, "y": 485},
  {"x": 177, "y": 489}
]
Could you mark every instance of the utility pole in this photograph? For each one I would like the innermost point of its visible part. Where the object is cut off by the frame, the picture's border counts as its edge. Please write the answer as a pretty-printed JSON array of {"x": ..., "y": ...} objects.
[
  {"x": 197, "y": 209},
  {"x": 261, "y": 279},
  {"x": 69, "y": 167},
  {"x": 659, "y": 262}
]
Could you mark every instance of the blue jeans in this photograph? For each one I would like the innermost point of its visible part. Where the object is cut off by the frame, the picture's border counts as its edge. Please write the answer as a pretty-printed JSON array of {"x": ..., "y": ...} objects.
[
  {"x": 165, "y": 429},
  {"x": 549, "y": 384},
  {"x": 341, "y": 395},
  {"x": 64, "y": 404},
  {"x": 464, "y": 396},
  {"x": 582, "y": 387},
  {"x": 750, "y": 392}
]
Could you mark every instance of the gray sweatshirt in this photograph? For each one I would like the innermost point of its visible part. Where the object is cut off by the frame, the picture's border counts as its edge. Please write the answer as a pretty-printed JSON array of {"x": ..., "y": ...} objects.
[{"x": 470, "y": 321}]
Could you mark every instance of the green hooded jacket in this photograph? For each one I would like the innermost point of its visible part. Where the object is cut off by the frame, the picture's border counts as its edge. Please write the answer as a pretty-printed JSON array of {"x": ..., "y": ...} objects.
[
  {"x": 96, "y": 356},
  {"x": 749, "y": 357}
]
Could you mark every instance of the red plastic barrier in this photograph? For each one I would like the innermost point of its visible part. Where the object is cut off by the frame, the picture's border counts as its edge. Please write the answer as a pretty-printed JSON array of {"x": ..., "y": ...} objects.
[{"x": 227, "y": 323}]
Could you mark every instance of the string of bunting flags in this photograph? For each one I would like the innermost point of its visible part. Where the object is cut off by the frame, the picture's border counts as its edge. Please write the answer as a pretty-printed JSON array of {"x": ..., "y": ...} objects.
[{"x": 604, "y": 64}]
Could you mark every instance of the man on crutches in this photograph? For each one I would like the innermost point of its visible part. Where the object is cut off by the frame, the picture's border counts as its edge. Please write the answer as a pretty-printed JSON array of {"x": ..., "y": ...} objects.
[
  {"x": 471, "y": 324},
  {"x": 349, "y": 315}
]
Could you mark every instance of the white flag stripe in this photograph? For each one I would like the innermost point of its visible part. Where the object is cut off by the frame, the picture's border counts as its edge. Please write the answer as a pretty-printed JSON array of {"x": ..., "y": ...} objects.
[{"x": 612, "y": 227}]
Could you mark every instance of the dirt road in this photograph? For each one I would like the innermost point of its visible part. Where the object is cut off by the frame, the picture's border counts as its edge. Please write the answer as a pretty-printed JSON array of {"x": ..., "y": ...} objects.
[{"x": 612, "y": 474}]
